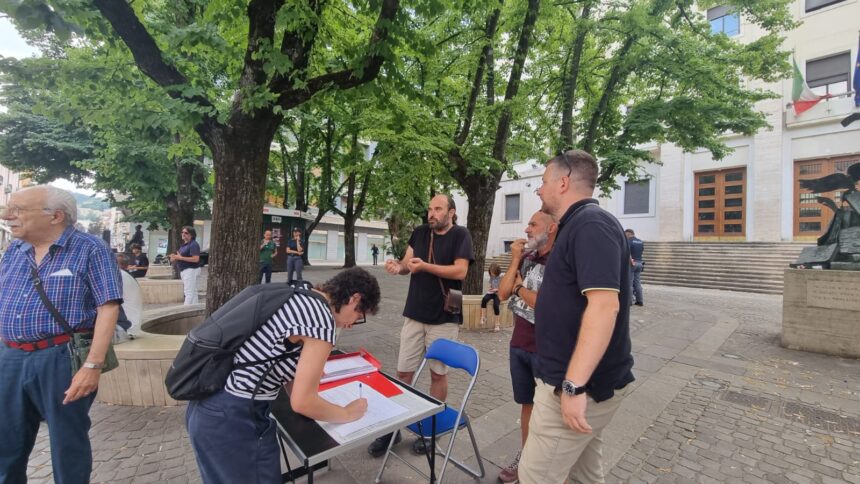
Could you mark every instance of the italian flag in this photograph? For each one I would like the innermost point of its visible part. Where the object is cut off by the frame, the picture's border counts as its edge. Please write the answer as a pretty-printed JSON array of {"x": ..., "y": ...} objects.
[{"x": 802, "y": 97}]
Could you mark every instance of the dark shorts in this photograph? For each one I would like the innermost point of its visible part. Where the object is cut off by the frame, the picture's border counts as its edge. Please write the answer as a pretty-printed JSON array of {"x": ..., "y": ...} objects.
[{"x": 524, "y": 365}]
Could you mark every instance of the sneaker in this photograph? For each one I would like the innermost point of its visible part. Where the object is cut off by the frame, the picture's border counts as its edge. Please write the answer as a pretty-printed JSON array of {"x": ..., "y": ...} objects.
[
  {"x": 639, "y": 303},
  {"x": 380, "y": 445},
  {"x": 421, "y": 446},
  {"x": 510, "y": 473}
]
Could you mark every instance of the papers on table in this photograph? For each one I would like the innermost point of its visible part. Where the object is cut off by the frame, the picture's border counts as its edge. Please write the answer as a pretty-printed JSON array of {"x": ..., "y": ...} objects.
[
  {"x": 379, "y": 409},
  {"x": 340, "y": 368}
]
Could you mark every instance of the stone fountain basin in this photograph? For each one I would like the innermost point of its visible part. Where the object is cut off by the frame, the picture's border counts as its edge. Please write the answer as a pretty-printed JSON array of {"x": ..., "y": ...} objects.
[{"x": 144, "y": 361}]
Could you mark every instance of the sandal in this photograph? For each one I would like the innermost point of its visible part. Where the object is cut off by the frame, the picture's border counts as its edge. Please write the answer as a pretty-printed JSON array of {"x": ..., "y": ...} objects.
[{"x": 497, "y": 328}]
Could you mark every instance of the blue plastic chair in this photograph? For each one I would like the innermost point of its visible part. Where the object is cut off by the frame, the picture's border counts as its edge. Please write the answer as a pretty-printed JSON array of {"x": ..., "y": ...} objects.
[{"x": 451, "y": 420}]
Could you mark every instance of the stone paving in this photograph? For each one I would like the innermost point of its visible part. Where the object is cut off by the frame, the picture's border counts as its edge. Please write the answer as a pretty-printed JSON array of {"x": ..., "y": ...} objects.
[{"x": 716, "y": 400}]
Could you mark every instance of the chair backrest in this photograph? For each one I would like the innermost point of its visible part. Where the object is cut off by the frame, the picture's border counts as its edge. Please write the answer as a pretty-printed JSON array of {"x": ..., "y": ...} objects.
[{"x": 455, "y": 354}]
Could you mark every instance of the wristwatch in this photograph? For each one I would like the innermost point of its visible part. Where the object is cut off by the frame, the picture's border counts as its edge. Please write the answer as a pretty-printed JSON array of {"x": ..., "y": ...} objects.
[
  {"x": 93, "y": 366},
  {"x": 570, "y": 388},
  {"x": 517, "y": 290}
]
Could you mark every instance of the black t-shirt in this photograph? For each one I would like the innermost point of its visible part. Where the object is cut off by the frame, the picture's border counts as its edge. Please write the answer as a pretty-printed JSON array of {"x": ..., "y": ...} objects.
[
  {"x": 292, "y": 245},
  {"x": 140, "y": 260},
  {"x": 590, "y": 252},
  {"x": 425, "y": 301}
]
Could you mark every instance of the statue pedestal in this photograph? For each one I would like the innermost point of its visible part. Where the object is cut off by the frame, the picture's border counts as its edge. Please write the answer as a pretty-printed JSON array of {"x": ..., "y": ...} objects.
[{"x": 819, "y": 311}]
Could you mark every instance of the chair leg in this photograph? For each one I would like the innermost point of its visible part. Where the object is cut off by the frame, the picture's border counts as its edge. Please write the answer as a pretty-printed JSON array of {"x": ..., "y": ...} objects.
[
  {"x": 479, "y": 474},
  {"x": 385, "y": 459},
  {"x": 475, "y": 447}
]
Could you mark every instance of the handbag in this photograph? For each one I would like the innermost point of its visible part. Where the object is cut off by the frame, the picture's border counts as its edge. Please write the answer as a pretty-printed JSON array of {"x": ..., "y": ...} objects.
[
  {"x": 79, "y": 344},
  {"x": 453, "y": 298}
]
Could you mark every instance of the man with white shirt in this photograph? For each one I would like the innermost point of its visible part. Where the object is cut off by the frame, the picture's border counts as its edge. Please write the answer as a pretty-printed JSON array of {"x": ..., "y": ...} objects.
[
  {"x": 80, "y": 278},
  {"x": 128, "y": 324}
]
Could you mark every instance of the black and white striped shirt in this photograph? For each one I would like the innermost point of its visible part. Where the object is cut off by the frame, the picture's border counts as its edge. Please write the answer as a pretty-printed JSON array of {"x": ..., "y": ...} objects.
[{"x": 301, "y": 315}]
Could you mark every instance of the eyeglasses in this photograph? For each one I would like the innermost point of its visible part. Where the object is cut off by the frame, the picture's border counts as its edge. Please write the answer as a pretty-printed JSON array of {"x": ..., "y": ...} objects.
[
  {"x": 361, "y": 320},
  {"x": 16, "y": 211}
]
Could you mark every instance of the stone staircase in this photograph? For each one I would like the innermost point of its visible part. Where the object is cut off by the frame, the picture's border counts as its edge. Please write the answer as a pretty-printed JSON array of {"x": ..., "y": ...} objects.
[{"x": 730, "y": 266}]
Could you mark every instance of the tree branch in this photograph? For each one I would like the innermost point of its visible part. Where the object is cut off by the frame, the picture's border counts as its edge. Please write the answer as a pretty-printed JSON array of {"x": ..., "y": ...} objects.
[
  {"x": 347, "y": 78},
  {"x": 297, "y": 46},
  {"x": 262, "y": 15},
  {"x": 503, "y": 129},
  {"x": 150, "y": 59},
  {"x": 466, "y": 123}
]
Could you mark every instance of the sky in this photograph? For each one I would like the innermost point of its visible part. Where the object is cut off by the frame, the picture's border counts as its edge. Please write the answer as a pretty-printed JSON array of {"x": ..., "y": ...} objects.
[{"x": 12, "y": 45}]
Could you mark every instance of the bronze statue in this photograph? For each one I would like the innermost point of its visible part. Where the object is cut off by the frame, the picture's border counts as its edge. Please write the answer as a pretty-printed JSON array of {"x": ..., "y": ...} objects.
[{"x": 839, "y": 247}]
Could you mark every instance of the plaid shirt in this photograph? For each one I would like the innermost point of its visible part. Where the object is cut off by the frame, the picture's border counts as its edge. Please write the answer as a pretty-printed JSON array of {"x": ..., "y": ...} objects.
[{"x": 79, "y": 274}]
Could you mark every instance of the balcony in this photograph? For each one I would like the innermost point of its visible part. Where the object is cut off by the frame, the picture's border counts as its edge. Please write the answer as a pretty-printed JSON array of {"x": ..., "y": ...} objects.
[{"x": 826, "y": 111}]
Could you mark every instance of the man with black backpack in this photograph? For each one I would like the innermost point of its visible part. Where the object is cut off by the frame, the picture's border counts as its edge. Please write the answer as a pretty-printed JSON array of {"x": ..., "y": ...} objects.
[{"x": 236, "y": 362}]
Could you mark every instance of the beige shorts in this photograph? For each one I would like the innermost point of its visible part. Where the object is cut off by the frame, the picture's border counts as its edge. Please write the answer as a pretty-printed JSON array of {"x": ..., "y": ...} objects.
[{"x": 416, "y": 337}]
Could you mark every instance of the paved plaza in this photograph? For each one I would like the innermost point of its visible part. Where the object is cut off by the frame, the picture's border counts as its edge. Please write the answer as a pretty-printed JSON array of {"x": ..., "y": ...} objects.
[{"x": 716, "y": 399}]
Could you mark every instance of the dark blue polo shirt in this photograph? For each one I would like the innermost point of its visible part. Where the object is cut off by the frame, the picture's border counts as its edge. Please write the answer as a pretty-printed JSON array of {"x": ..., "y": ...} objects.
[
  {"x": 637, "y": 247},
  {"x": 590, "y": 252}
]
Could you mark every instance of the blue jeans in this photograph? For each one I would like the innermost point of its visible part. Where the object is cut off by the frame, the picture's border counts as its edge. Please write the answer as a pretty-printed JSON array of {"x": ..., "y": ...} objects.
[
  {"x": 294, "y": 264},
  {"x": 231, "y": 443},
  {"x": 265, "y": 271},
  {"x": 32, "y": 385},
  {"x": 636, "y": 282}
]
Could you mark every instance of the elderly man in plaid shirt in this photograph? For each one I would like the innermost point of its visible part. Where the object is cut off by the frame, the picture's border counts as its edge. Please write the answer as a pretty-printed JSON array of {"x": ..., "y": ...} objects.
[{"x": 81, "y": 279}]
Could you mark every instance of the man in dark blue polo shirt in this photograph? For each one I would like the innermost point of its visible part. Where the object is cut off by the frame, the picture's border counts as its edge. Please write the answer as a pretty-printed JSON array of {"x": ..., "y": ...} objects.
[{"x": 581, "y": 328}]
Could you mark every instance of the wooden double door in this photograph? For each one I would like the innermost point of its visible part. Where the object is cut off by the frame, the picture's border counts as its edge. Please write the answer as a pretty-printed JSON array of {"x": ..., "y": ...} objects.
[
  {"x": 811, "y": 218},
  {"x": 720, "y": 204}
]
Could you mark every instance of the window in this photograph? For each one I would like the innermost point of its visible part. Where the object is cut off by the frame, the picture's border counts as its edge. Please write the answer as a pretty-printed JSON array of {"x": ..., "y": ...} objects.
[
  {"x": 637, "y": 197},
  {"x": 812, "y": 5},
  {"x": 724, "y": 21},
  {"x": 830, "y": 75},
  {"x": 508, "y": 245},
  {"x": 512, "y": 208}
]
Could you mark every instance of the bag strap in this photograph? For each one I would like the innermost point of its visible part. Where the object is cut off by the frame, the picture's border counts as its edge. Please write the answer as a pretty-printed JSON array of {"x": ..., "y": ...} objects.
[
  {"x": 430, "y": 260},
  {"x": 37, "y": 282}
]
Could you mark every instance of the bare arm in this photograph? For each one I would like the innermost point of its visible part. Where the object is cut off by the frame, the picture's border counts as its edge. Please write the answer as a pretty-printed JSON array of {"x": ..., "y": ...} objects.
[
  {"x": 598, "y": 322},
  {"x": 455, "y": 272},
  {"x": 304, "y": 397},
  {"x": 86, "y": 380}
]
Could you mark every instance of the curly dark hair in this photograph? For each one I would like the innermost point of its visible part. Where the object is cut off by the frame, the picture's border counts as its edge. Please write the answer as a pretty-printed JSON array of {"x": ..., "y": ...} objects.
[{"x": 351, "y": 281}]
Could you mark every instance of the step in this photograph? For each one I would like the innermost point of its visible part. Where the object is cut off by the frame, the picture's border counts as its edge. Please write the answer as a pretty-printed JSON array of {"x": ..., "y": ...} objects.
[{"x": 720, "y": 288}]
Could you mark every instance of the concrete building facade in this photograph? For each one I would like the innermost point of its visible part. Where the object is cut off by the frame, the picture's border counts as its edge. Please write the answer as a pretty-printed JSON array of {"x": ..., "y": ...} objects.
[{"x": 753, "y": 194}]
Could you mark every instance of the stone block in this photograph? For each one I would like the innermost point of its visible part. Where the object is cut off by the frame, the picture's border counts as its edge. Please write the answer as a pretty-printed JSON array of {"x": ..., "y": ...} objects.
[{"x": 819, "y": 312}]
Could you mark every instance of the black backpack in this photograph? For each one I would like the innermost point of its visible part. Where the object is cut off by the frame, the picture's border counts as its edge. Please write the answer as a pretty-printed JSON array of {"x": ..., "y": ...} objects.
[{"x": 205, "y": 359}]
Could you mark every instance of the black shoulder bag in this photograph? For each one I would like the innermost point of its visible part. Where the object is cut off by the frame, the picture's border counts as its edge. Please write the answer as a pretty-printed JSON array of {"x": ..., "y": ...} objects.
[{"x": 79, "y": 345}]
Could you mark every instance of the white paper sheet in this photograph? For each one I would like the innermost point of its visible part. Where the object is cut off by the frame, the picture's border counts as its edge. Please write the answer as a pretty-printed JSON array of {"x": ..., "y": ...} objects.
[
  {"x": 341, "y": 368},
  {"x": 379, "y": 407}
]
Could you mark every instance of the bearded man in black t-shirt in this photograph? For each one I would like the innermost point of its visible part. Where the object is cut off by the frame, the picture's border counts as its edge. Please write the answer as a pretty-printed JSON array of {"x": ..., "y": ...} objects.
[{"x": 437, "y": 259}]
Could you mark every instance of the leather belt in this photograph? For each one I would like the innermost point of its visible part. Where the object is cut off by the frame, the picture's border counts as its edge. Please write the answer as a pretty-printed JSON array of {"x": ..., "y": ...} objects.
[{"x": 42, "y": 344}]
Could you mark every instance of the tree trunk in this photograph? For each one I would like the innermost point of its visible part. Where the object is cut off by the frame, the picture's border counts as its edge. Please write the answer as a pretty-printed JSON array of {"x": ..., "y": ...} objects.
[
  {"x": 241, "y": 159},
  {"x": 481, "y": 195}
]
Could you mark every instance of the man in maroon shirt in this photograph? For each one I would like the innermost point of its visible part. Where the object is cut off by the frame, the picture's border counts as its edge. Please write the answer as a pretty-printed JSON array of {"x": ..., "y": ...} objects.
[{"x": 521, "y": 283}]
